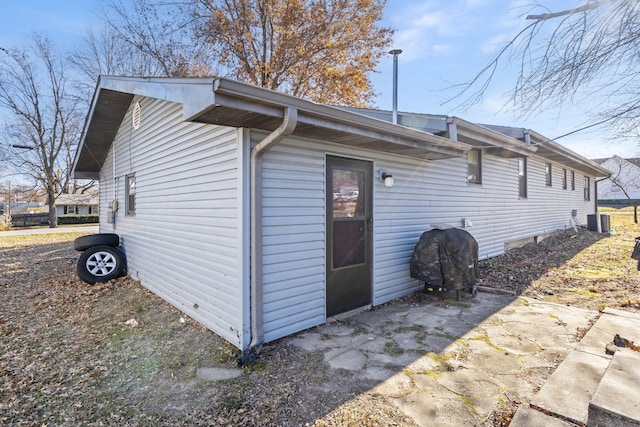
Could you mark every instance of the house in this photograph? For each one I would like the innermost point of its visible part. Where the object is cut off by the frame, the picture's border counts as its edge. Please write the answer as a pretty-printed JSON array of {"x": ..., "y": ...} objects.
[
  {"x": 260, "y": 214},
  {"x": 78, "y": 204},
  {"x": 624, "y": 184}
]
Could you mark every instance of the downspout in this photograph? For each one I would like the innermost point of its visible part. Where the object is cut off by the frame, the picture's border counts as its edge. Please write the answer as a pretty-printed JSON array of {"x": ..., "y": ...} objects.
[{"x": 257, "y": 331}]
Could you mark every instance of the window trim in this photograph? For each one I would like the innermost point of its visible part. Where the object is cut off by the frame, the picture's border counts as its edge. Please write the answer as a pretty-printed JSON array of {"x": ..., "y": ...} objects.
[
  {"x": 573, "y": 181},
  {"x": 587, "y": 189},
  {"x": 522, "y": 177},
  {"x": 130, "y": 194},
  {"x": 478, "y": 179},
  {"x": 564, "y": 179}
]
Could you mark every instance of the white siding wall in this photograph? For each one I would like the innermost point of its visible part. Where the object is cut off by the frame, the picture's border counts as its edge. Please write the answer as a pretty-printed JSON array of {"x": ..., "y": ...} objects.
[
  {"x": 625, "y": 173},
  {"x": 293, "y": 239},
  {"x": 424, "y": 193},
  {"x": 187, "y": 239}
]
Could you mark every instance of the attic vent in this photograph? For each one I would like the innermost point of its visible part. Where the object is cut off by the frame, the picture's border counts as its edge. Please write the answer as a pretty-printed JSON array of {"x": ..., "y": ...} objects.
[{"x": 136, "y": 115}]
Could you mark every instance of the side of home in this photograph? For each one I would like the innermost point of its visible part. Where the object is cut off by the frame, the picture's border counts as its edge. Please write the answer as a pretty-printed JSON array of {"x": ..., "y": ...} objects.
[
  {"x": 78, "y": 204},
  {"x": 174, "y": 160},
  {"x": 624, "y": 184}
]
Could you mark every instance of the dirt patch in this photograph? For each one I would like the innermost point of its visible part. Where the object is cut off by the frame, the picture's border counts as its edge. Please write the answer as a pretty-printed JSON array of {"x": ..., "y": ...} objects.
[{"x": 70, "y": 353}]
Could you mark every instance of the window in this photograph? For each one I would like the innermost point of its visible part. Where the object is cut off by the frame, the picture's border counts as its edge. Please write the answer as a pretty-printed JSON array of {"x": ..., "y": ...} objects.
[
  {"x": 573, "y": 181},
  {"x": 474, "y": 163},
  {"x": 564, "y": 179},
  {"x": 547, "y": 174},
  {"x": 587, "y": 188},
  {"x": 69, "y": 209},
  {"x": 522, "y": 177},
  {"x": 130, "y": 194}
]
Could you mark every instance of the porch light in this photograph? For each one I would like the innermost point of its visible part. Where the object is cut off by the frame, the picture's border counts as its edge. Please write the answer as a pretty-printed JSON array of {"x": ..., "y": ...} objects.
[{"x": 388, "y": 179}]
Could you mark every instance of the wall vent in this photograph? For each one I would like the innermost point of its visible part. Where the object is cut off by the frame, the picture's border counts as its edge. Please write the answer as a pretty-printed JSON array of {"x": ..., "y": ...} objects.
[{"x": 135, "y": 118}]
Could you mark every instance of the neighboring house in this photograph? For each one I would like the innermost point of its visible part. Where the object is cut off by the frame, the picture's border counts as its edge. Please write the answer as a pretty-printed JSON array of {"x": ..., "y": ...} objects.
[
  {"x": 79, "y": 204},
  {"x": 261, "y": 214},
  {"x": 623, "y": 185}
]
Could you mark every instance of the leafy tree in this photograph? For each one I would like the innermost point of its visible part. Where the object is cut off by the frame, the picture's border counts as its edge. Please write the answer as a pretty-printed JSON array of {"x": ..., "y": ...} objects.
[
  {"x": 319, "y": 49},
  {"x": 574, "y": 55},
  {"x": 44, "y": 121},
  {"x": 322, "y": 50}
]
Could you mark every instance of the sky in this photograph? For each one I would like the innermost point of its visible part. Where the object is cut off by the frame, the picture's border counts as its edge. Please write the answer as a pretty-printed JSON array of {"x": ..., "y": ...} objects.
[{"x": 444, "y": 43}]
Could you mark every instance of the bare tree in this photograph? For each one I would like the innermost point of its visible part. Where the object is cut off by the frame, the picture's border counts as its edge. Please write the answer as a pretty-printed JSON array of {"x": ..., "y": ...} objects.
[
  {"x": 624, "y": 179},
  {"x": 572, "y": 56},
  {"x": 322, "y": 50},
  {"x": 160, "y": 35},
  {"x": 105, "y": 52},
  {"x": 44, "y": 121}
]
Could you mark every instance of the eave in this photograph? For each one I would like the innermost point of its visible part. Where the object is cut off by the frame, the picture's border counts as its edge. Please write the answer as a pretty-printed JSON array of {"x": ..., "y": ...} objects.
[{"x": 228, "y": 103}]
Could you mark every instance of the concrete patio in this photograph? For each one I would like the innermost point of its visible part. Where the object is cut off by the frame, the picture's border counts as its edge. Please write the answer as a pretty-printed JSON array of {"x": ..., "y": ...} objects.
[{"x": 448, "y": 362}]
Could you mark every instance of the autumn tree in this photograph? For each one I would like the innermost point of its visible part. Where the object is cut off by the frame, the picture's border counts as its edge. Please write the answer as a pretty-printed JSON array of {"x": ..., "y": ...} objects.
[
  {"x": 573, "y": 56},
  {"x": 316, "y": 49},
  {"x": 322, "y": 50},
  {"x": 43, "y": 120}
]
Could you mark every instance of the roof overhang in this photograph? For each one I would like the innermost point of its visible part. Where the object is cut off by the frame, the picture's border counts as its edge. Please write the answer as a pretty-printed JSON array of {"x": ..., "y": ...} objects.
[
  {"x": 489, "y": 140},
  {"x": 457, "y": 129},
  {"x": 229, "y": 103},
  {"x": 557, "y": 153}
]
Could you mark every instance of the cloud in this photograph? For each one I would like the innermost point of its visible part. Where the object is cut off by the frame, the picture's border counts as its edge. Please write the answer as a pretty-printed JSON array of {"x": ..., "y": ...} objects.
[
  {"x": 430, "y": 27},
  {"x": 495, "y": 43}
]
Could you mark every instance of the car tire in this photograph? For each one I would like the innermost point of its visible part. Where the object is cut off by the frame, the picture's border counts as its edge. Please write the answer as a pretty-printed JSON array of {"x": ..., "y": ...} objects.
[
  {"x": 102, "y": 239},
  {"x": 100, "y": 264}
]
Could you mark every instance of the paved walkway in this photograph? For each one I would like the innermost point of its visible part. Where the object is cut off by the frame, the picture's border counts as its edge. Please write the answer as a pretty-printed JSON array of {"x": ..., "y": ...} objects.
[
  {"x": 89, "y": 229},
  {"x": 453, "y": 364}
]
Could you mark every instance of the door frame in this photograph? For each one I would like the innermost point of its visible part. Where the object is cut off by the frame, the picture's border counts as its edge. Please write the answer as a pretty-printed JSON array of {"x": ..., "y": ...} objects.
[{"x": 333, "y": 276}]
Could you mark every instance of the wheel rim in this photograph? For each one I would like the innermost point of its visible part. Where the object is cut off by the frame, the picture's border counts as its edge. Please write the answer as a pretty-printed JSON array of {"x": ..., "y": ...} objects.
[{"x": 101, "y": 264}]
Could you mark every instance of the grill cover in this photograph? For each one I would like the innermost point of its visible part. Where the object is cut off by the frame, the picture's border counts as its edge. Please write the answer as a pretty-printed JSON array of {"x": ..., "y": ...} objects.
[{"x": 446, "y": 259}]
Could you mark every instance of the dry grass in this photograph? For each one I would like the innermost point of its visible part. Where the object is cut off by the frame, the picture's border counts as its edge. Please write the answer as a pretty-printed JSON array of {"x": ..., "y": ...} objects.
[
  {"x": 584, "y": 269},
  {"x": 68, "y": 358}
]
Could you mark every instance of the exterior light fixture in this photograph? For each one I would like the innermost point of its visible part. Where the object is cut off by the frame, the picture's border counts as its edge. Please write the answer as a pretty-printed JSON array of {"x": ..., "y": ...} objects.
[{"x": 387, "y": 178}]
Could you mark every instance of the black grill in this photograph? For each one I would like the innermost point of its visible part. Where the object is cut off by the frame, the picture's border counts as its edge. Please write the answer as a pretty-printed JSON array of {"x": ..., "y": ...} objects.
[{"x": 446, "y": 260}]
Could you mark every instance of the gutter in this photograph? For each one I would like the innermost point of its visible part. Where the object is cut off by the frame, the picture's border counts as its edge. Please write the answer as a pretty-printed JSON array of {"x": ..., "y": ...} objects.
[{"x": 257, "y": 330}]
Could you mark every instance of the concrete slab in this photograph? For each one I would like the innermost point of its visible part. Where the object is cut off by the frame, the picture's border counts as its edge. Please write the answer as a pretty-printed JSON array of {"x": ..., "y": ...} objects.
[
  {"x": 217, "y": 374},
  {"x": 610, "y": 323},
  {"x": 350, "y": 359},
  {"x": 449, "y": 363},
  {"x": 616, "y": 401},
  {"x": 572, "y": 385},
  {"x": 527, "y": 417}
]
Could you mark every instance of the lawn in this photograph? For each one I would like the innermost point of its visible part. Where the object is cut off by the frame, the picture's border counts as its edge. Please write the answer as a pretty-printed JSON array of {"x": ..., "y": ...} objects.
[{"x": 115, "y": 354}]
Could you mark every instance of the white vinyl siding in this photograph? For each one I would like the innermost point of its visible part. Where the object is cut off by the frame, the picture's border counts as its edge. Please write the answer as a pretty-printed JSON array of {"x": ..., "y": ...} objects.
[
  {"x": 424, "y": 193},
  {"x": 186, "y": 241},
  {"x": 293, "y": 239}
]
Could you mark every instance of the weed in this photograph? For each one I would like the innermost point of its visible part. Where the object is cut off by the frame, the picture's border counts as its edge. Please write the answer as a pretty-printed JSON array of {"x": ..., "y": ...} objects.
[
  {"x": 359, "y": 330},
  {"x": 233, "y": 402},
  {"x": 468, "y": 403},
  {"x": 485, "y": 338},
  {"x": 392, "y": 348}
]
